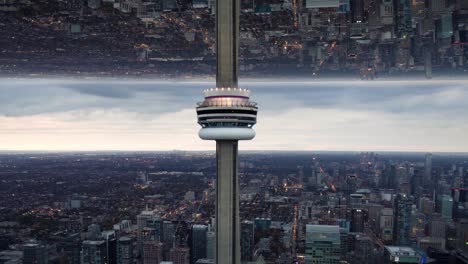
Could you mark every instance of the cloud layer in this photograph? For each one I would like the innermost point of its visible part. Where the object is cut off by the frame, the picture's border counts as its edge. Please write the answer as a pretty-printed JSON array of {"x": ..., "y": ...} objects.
[{"x": 53, "y": 114}]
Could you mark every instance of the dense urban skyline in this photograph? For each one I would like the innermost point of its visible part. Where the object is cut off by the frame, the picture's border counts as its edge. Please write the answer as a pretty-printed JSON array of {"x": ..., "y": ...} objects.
[
  {"x": 154, "y": 207},
  {"x": 365, "y": 39},
  {"x": 358, "y": 108}
]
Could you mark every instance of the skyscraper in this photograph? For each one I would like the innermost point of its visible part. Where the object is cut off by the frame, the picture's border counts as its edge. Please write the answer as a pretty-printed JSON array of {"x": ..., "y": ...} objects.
[
  {"x": 34, "y": 253},
  {"x": 363, "y": 249},
  {"x": 402, "y": 220},
  {"x": 247, "y": 240},
  {"x": 180, "y": 255},
  {"x": 93, "y": 252},
  {"x": 428, "y": 168},
  {"x": 227, "y": 116},
  {"x": 462, "y": 235},
  {"x": 149, "y": 228},
  {"x": 357, "y": 8},
  {"x": 386, "y": 224},
  {"x": 152, "y": 252},
  {"x": 168, "y": 232},
  {"x": 437, "y": 226},
  {"x": 71, "y": 245},
  {"x": 198, "y": 243},
  {"x": 210, "y": 244},
  {"x": 125, "y": 250},
  {"x": 358, "y": 219},
  {"x": 446, "y": 206},
  {"x": 323, "y": 244},
  {"x": 168, "y": 237},
  {"x": 403, "y": 12},
  {"x": 111, "y": 246}
]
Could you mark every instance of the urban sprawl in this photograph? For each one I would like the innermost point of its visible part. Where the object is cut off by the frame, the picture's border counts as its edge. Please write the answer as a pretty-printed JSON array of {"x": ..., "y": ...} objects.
[
  {"x": 158, "y": 208},
  {"x": 364, "y": 39}
]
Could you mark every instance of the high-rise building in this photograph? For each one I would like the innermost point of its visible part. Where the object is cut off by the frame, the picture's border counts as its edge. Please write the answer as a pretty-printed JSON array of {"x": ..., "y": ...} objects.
[
  {"x": 262, "y": 224},
  {"x": 437, "y": 6},
  {"x": 94, "y": 232},
  {"x": 247, "y": 240},
  {"x": 345, "y": 227},
  {"x": 94, "y": 252},
  {"x": 168, "y": 232},
  {"x": 418, "y": 225},
  {"x": 428, "y": 168},
  {"x": 149, "y": 226},
  {"x": 71, "y": 245},
  {"x": 358, "y": 218},
  {"x": 35, "y": 253},
  {"x": 403, "y": 15},
  {"x": 389, "y": 177},
  {"x": 198, "y": 243},
  {"x": 462, "y": 235},
  {"x": 458, "y": 182},
  {"x": 152, "y": 252},
  {"x": 446, "y": 206},
  {"x": 437, "y": 227},
  {"x": 426, "y": 206},
  {"x": 402, "y": 220},
  {"x": 357, "y": 8},
  {"x": 125, "y": 250},
  {"x": 356, "y": 200},
  {"x": 156, "y": 225},
  {"x": 386, "y": 224},
  {"x": 210, "y": 244},
  {"x": 111, "y": 246},
  {"x": 431, "y": 242},
  {"x": 417, "y": 182},
  {"x": 227, "y": 115},
  {"x": 168, "y": 237},
  {"x": 94, "y": 4},
  {"x": 180, "y": 255},
  {"x": 374, "y": 212},
  {"x": 387, "y": 12},
  {"x": 322, "y": 244},
  {"x": 363, "y": 249}
]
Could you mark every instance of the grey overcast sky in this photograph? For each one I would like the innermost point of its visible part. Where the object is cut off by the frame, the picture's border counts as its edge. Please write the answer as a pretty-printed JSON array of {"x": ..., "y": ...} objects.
[{"x": 54, "y": 114}]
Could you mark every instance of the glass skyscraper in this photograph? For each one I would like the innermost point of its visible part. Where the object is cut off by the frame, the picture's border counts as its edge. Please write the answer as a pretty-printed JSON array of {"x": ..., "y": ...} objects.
[
  {"x": 402, "y": 220},
  {"x": 323, "y": 244},
  {"x": 198, "y": 242}
]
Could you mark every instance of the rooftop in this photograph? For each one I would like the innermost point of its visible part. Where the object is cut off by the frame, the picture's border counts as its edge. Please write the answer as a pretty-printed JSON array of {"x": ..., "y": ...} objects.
[
  {"x": 94, "y": 242},
  {"x": 323, "y": 228},
  {"x": 401, "y": 251}
]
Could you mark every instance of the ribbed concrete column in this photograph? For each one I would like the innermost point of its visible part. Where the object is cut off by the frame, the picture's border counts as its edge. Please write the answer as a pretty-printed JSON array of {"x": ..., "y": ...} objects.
[
  {"x": 227, "y": 42},
  {"x": 227, "y": 207}
]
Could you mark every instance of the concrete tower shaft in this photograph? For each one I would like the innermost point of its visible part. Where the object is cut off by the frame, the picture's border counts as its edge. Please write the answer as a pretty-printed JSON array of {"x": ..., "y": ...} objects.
[
  {"x": 227, "y": 203},
  {"x": 227, "y": 42},
  {"x": 227, "y": 115}
]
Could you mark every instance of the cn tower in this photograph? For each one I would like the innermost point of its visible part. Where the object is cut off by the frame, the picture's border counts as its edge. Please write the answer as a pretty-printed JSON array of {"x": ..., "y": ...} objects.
[{"x": 227, "y": 116}]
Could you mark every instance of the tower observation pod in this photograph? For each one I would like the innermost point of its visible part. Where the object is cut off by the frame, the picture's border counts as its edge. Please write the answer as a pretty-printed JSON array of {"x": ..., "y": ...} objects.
[{"x": 227, "y": 115}]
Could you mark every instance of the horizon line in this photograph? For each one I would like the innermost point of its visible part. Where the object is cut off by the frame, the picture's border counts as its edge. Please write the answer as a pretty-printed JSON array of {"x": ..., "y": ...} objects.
[
  {"x": 248, "y": 79},
  {"x": 252, "y": 151}
]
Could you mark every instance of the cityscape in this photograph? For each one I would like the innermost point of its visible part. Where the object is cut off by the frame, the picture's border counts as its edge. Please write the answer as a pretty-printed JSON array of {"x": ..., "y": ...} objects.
[
  {"x": 198, "y": 132},
  {"x": 295, "y": 207},
  {"x": 365, "y": 39}
]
